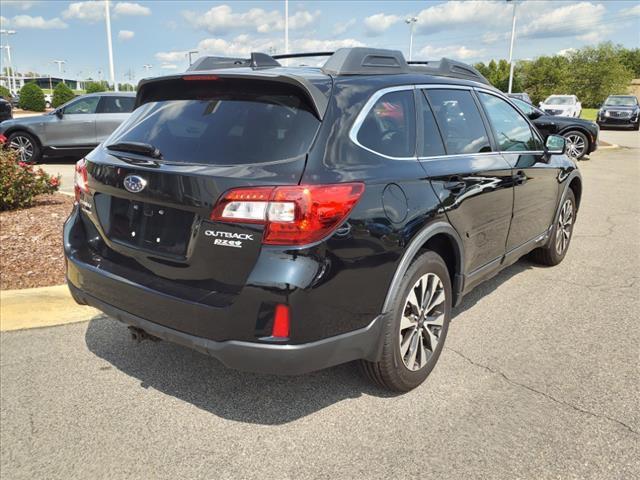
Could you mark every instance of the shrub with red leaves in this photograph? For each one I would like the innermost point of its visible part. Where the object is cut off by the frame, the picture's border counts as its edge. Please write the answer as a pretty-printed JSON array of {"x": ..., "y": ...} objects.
[{"x": 21, "y": 182}]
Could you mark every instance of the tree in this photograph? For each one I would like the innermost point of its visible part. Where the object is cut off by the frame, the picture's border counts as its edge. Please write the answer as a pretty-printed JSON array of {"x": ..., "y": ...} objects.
[
  {"x": 631, "y": 60},
  {"x": 545, "y": 76},
  {"x": 597, "y": 72},
  {"x": 5, "y": 93},
  {"x": 498, "y": 75},
  {"x": 95, "y": 87},
  {"x": 32, "y": 98},
  {"x": 61, "y": 95}
]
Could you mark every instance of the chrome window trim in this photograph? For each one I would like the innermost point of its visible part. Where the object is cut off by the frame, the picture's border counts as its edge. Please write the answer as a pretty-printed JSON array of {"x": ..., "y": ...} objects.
[{"x": 355, "y": 128}]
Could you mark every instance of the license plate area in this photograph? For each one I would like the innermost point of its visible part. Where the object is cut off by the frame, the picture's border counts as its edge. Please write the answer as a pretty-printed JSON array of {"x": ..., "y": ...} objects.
[{"x": 150, "y": 227}]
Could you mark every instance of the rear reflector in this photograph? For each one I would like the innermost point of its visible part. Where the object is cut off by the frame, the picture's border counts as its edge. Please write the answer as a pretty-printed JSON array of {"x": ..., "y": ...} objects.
[
  {"x": 292, "y": 215},
  {"x": 281, "y": 322}
]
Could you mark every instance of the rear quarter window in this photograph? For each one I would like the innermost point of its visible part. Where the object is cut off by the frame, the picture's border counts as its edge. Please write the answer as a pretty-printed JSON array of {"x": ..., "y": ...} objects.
[{"x": 390, "y": 125}]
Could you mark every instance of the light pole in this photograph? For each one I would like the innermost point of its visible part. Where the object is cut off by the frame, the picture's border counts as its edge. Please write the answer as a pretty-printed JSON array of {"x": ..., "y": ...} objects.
[
  {"x": 286, "y": 29},
  {"x": 147, "y": 67},
  {"x": 411, "y": 22},
  {"x": 107, "y": 17},
  {"x": 10, "y": 72},
  {"x": 513, "y": 36},
  {"x": 191, "y": 52},
  {"x": 60, "y": 63}
]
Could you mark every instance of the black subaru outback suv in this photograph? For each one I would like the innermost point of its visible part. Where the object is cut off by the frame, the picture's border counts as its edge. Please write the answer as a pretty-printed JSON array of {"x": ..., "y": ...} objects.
[{"x": 287, "y": 219}]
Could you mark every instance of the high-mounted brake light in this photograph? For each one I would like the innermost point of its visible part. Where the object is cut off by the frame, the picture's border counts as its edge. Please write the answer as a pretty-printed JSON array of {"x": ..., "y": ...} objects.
[
  {"x": 292, "y": 215},
  {"x": 80, "y": 179},
  {"x": 200, "y": 77}
]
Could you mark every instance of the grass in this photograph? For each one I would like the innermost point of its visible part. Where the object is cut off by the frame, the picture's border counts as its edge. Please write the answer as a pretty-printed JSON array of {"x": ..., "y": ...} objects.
[{"x": 589, "y": 114}]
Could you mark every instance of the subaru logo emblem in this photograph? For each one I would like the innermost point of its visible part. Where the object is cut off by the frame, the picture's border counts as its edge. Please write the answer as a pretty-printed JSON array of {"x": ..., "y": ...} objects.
[{"x": 134, "y": 183}]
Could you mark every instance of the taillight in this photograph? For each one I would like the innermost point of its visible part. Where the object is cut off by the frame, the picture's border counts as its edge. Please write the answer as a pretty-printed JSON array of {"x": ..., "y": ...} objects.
[
  {"x": 80, "y": 179},
  {"x": 292, "y": 215}
]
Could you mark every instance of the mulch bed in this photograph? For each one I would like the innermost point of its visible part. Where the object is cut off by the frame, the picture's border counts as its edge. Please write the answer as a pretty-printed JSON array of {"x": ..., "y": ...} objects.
[{"x": 31, "y": 243}]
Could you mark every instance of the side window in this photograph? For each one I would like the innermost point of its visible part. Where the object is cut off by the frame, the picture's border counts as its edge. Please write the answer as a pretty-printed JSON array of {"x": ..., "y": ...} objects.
[
  {"x": 111, "y": 104},
  {"x": 459, "y": 120},
  {"x": 82, "y": 106},
  {"x": 390, "y": 126},
  {"x": 431, "y": 139},
  {"x": 512, "y": 132},
  {"x": 523, "y": 106}
]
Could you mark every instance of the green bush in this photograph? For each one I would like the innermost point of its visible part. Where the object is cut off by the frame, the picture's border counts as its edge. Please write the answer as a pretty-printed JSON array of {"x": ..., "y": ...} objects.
[
  {"x": 95, "y": 87},
  {"x": 5, "y": 93},
  {"x": 21, "y": 182},
  {"x": 32, "y": 98},
  {"x": 61, "y": 95}
]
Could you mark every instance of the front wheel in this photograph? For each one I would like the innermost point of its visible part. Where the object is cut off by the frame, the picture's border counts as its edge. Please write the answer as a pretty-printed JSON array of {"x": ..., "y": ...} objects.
[
  {"x": 636, "y": 127},
  {"x": 417, "y": 326},
  {"x": 26, "y": 145},
  {"x": 577, "y": 144},
  {"x": 556, "y": 249}
]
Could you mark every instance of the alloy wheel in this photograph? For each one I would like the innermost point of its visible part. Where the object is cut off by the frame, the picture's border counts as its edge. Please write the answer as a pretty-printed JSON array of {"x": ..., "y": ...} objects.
[
  {"x": 576, "y": 145},
  {"x": 422, "y": 321},
  {"x": 565, "y": 223},
  {"x": 24, "y": 147}
]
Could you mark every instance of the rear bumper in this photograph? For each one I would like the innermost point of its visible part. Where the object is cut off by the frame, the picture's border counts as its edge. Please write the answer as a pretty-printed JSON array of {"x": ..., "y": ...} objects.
[{"x": 364, "y": 343}]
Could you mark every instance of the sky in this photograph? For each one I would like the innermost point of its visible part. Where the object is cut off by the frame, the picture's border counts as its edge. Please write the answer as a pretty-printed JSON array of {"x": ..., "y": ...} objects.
[{"x": 159, "y": 33}]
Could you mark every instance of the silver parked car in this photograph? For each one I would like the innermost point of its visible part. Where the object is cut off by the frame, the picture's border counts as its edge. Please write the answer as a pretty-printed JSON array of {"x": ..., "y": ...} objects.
[{"x": 72, "y": 130}]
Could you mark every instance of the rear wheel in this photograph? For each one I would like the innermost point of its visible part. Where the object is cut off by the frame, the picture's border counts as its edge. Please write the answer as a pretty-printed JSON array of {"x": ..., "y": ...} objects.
[
  {"x": 417, "y": 326},
  {"x": 26, "y": 145},
  {"x": 577, "y": 144},
  {"x": 554, "y": 252}
]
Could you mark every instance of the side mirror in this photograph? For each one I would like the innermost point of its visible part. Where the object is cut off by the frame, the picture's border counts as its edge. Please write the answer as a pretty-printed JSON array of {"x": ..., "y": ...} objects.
[
  {"x": 59, "y": 113},
  {"x": 555, "y": 145}
]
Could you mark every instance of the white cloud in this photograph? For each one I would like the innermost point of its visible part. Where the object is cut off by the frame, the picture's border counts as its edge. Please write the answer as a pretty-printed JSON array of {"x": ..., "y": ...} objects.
[
  {"x": 174, "y": 56},
  {"x": 169, "y": 66},
  {"x": 93, "y": 10},
  {"x": 379, "y": 23},
  {"x": 125, "y": 35},
  {"x": 566, "y": 51},
  {"x": 20, "y": 4},
  {"x": 565, "y": 21},
  {"x": 132, "y": 9},
  {"x": 222, "y": 19},
  {"x": 454, "y": 14},
  {"x": 27, "y": 21},
  {"x": 631, "y": 11},
  {"x": 342, "y": 27},
  {"x": 459, "y": 52}
]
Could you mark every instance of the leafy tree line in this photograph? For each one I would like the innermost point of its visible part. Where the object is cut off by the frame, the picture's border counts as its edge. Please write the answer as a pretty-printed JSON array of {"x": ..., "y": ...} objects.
[{"x": 592, "y": 73}]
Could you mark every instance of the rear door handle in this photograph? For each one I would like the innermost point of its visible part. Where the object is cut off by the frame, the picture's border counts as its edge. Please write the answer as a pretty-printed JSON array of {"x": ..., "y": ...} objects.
[
  {"x": 455, "y": 184},
  {"x": 520, "y": 178}
]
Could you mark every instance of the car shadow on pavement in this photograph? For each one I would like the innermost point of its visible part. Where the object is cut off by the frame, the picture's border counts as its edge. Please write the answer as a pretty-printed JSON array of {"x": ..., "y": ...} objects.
[{"x": 245, "y": 397}]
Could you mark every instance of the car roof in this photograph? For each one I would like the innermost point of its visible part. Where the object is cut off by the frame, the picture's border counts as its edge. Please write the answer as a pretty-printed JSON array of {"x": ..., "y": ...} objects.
[{"x": 109, "y": 94}]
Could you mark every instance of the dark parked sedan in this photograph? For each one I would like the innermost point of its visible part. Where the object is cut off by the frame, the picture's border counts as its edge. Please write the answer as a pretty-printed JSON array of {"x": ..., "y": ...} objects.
[
  {"x": 5, "y": 110},
  {"x": 581, "y": 135},
  {"x": 620, "y": 111}
]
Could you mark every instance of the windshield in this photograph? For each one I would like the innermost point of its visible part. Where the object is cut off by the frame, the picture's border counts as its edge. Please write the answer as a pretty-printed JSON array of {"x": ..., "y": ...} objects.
[
  {"x": 559, "y": 101},
  {"x": 621, "y": 101},
  {"x": 227, "y": 129}
]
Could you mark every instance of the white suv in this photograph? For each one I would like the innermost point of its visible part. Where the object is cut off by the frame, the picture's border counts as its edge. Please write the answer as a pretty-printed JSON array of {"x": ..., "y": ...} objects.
[{"x": 562, "y": 105}]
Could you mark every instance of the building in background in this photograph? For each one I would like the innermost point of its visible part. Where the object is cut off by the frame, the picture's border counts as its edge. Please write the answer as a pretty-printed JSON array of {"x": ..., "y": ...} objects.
[{"x": 43, "y": 82}]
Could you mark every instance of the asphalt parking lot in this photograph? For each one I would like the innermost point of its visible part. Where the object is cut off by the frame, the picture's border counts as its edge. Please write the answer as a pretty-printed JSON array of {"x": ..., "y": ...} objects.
[{"x": 539, "y": 379}]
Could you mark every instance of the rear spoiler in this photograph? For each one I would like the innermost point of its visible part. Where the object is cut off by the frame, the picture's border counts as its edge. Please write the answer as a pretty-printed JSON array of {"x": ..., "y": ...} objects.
[{"x": 150, "y": 89}]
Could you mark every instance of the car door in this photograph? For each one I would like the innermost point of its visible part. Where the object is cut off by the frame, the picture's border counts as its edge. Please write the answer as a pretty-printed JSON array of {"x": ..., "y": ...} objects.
[
  {"x": 112, "y": 111},
  {"x": 474, "y": 182},
  {"x": 535, "y": 176},
  {"x": 75, "y": 126}
]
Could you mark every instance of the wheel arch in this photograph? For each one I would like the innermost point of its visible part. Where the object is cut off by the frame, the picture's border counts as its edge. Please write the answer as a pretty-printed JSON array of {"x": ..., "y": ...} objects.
[
  {"x": 574, "y": 128},
  {"x": 576, "y": 186},
  {"x": 441, "y": 238},
  {"x": 21, "y": 128}
]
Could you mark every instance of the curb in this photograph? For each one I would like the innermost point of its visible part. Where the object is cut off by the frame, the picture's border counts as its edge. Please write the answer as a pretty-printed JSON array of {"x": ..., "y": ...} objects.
[{"x": 40, "y": 307}]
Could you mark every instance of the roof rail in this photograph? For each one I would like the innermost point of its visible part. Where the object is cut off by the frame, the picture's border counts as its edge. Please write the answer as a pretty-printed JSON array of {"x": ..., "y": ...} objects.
[{"x": 351, "y": 61}]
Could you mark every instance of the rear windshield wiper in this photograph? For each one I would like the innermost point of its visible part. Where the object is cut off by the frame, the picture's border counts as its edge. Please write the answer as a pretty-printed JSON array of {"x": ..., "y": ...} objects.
[{"x": 136, "y": 147}]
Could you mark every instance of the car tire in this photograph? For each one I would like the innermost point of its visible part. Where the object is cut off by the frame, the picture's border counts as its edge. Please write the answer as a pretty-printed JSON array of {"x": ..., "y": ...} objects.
[
  {"x": 577, "y": 144},
  {"x": 636, "y": 127},
  {"x": 554, "y": 252},
  {"x": 27, "y": 145},
  {"x": 415, "y": 331}
]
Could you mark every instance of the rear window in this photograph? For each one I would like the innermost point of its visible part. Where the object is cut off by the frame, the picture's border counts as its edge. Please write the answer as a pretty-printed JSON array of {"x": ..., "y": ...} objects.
[{"x": 223, "y": 129}]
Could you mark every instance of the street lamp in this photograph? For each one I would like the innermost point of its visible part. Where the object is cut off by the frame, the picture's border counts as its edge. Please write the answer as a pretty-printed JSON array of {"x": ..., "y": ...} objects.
[
  {"x": 60, "y": 63},
  {"x": 513, "y": 36},
  {"x": 191, "y": 53},
  {"x": 411, "y": 21},
  {"x": 107, "y": 17},
  {"x": 10, "y": 72},
  {"x": 147, "y": 67}
]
